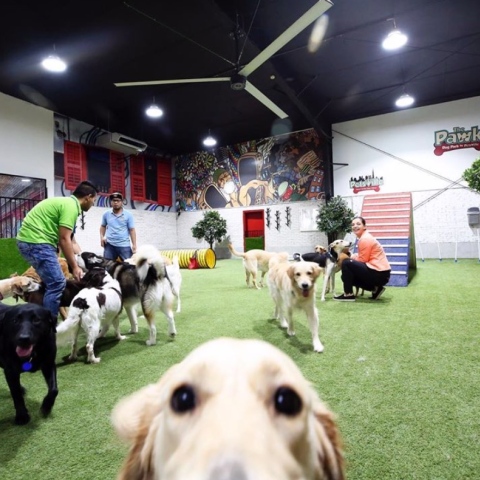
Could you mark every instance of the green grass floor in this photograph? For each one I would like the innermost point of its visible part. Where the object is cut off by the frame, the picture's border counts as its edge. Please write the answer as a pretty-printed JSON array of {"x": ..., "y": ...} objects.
[{"x": 401, "y": 373}]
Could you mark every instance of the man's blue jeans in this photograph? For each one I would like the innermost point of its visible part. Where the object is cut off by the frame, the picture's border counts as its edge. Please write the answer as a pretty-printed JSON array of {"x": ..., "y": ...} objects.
[
  {"x": 43, "y": 258},
  {"x": 111, "y": 252}
]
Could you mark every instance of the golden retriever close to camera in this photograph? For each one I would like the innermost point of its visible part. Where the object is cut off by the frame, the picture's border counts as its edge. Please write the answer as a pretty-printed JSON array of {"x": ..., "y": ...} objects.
[
  {"x": 256, "y": 260},
  {"x": 232, "y": 409},
  {"x": 292, "y": 285}
]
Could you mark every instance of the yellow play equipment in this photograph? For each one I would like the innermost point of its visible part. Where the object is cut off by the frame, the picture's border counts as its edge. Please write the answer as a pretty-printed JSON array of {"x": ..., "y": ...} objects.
[{"x": 206, "y": 257}]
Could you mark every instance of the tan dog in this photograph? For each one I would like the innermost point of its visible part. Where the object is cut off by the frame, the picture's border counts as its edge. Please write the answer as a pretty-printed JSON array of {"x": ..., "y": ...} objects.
[
  {"x": 15, "y": 285},
  {"x": 256, "y": 261},
  {"x": 320, "y": 249},
  {"x": 292, "y": 285},
  {"x": 32, "y": 273},
  {"x": 232, "y": 409}
]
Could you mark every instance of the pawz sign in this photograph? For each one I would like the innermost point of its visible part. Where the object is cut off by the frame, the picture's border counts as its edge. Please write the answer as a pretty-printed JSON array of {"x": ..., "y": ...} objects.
[{"x": 458, "y": 138}]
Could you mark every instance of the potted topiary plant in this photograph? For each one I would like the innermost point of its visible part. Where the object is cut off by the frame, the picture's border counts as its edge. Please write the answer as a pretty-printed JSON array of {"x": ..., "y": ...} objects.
[
  {"x": 472, "y": 175},
  {"x": 211, "y": 228},
  {"x": 335, "y": 218}
]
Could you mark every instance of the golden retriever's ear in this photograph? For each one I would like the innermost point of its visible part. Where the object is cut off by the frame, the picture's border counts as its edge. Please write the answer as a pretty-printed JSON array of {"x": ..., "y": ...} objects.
[
  {"x": 329, "y": 446},
  {"x": 291, "y": 271},
  {"x": 133, "y": 417},
  {"x": 316, "y": 271},
  {"x": 17, "y": 290}
]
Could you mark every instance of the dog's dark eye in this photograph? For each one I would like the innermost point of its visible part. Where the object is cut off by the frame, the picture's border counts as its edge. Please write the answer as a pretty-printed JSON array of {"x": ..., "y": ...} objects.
[
  {"x": 287, "y": 401},
  {"x": 183, "y": 399}
]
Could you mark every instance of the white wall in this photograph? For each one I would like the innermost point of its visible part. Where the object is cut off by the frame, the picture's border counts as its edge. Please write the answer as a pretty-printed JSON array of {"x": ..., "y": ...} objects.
[
  {"x": 400, "y": 148},
  {"x": 286, "y": 238},
  {"x": 154, "y": 228},
  {"x": 26, "y": 140}
]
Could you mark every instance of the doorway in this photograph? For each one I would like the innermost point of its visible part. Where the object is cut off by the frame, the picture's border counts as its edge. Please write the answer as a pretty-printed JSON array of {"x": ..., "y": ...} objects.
[{"x": 254, "y": 229}]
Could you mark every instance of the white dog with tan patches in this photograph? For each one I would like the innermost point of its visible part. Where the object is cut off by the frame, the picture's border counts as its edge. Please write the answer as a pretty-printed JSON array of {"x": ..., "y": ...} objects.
[
  {"x": 232, "y": 409},
  {"x": 292, "y": 285}
]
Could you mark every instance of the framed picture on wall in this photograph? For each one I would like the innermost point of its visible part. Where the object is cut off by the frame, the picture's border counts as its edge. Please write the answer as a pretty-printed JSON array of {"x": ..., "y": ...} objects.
[{"x": 308, "y": 219}]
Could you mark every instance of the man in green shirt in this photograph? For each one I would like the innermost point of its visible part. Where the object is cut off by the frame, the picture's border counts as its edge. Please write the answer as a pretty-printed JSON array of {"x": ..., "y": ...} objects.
[{"x": 47, "y": 226}]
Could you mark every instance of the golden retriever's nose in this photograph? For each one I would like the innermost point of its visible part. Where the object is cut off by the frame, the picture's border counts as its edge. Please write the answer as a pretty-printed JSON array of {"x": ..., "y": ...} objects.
[{"x": 228, "y": 469}]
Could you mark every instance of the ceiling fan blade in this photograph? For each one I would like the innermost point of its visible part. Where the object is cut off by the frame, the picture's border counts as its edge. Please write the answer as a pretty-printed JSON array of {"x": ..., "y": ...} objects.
[
  {"x": 265, "y": 100},
  {"x": 169, "y": 82},
  {"x": 291, "y": 32}
]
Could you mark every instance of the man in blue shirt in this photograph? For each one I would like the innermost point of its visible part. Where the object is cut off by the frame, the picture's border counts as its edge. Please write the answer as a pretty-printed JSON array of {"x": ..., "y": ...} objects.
[{"x": 117, "y": 230}]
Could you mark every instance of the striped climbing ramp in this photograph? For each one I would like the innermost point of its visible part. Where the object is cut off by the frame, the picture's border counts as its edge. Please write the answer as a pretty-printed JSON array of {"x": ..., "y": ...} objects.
[{"x": 389, "y": 219}]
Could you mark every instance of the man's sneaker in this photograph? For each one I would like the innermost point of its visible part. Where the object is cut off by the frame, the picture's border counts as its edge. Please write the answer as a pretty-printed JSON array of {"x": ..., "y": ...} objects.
[
  {"x": 378, "y": 293},
  {"x": 344, "y": 298}
]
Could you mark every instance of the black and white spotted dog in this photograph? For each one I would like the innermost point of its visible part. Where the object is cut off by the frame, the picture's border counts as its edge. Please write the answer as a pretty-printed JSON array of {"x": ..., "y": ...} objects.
[{"x": 94, "y": 309}]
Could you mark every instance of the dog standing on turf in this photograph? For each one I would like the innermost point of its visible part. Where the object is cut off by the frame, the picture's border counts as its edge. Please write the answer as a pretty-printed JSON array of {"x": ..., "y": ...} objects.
[
  {"x": 256, "y": 260},
  {"x": 292, "y": 285},
  {"x": 144, "y": 282},
  {"x": 94, "y": 309},
  {"x": 27, "y": 344},
  {"x": 328, "y": 262}
]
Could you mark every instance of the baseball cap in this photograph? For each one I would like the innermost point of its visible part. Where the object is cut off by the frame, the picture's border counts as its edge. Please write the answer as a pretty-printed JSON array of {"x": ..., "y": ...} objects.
[{"x": 115, "y": 195}]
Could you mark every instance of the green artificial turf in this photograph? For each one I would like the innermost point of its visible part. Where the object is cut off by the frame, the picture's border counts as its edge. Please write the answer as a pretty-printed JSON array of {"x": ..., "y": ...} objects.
[{"x": 401, "y": 373}]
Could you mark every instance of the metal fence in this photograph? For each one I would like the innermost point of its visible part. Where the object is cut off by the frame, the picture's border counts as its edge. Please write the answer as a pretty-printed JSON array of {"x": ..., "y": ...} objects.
[{"x": 12, "y": 213}]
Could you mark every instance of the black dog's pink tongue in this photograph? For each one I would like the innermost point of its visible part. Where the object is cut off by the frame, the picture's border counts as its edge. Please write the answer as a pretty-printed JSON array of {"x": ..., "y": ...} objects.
[{"x": 24, "y": 352}]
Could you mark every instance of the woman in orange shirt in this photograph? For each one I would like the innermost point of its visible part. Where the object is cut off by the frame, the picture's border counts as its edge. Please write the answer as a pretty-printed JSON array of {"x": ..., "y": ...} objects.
[{"x": 369, "y": 269}]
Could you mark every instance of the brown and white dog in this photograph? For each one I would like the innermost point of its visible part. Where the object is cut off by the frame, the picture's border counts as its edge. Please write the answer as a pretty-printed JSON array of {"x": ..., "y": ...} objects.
[
  {"x": 292, "y": 285},
  {"x": 232, "y": 409},
  {"x": 256, "y": 260},
  {"x": 17, "y": 285}
]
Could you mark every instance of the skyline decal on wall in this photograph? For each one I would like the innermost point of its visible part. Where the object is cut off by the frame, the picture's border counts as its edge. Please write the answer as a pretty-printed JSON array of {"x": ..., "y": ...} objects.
[
  {"x": 458, "y": 138},
  {"x": 367, "y": 182}
]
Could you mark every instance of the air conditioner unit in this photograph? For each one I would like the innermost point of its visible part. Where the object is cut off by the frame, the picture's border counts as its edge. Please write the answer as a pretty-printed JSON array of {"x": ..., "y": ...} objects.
[{"x": 121, "y": 143}]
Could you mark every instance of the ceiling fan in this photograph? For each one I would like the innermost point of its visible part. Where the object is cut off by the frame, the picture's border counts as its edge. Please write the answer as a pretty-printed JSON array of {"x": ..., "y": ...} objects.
[{"x": 239, "y": 81}]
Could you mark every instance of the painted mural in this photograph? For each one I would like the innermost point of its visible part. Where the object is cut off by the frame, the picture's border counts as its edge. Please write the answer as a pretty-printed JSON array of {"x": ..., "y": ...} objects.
[{"x": 269, "y": 171}]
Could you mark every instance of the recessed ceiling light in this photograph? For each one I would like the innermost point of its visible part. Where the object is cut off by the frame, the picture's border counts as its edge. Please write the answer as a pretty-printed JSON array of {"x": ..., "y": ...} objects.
[
  {"x": 54, "y": 64},
  {"x": 404, "y": 100},
  {"x": 154, "y": 111},
  {"x": 394, "y": 40}
]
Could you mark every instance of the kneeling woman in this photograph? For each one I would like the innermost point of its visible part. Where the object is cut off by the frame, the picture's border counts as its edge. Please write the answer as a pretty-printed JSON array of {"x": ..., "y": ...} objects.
[{"x": 369, "y": 269}]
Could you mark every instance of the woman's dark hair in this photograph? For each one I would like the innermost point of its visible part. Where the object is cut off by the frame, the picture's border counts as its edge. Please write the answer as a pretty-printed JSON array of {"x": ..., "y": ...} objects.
[
  {"x": 364, "y": 223},
  {"x": 84, "y": 189}
]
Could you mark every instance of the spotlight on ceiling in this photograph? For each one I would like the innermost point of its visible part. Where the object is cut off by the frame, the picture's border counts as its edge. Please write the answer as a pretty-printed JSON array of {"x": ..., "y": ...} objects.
[
  {"x": 209, "y": 141},
  {"x": 154, "y": 111},
  {"x": 395, "y": 39},
  {"x": 404, "y": 101},
  {"x": 53, "y": 63}
]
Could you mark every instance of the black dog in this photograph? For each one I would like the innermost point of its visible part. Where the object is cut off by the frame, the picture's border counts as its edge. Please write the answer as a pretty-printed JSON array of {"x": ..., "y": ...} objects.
[{"x": 28, "y": 344}]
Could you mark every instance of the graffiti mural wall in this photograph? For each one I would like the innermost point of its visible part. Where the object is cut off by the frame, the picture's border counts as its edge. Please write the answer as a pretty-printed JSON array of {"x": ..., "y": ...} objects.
[{"x": 269, "y": 171}]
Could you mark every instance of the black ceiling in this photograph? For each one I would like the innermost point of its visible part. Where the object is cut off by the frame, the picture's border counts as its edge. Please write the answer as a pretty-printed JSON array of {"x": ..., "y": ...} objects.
[{"x": 350, "y": 76}]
